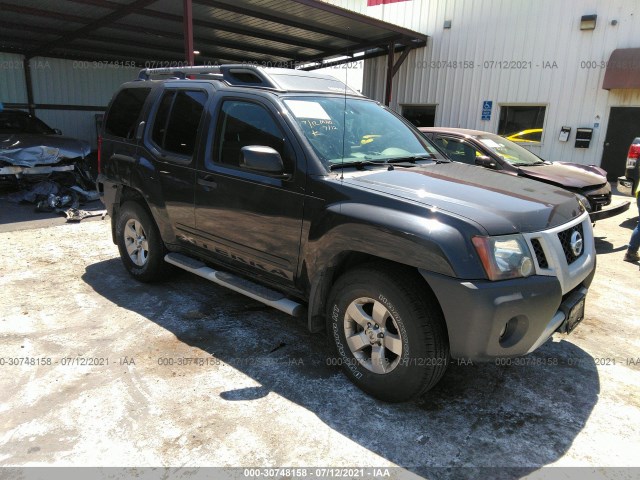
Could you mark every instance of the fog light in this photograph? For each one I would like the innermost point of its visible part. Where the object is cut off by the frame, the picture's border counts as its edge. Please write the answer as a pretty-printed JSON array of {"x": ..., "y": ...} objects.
[{"x": 526, "y": 267}]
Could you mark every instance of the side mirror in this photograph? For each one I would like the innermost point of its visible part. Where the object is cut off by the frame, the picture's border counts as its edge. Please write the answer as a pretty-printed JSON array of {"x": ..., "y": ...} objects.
[
  {"x": 57, "y": 131},
  {"x": 261, "y": 159},
  {"x": 485, "y": 161}
]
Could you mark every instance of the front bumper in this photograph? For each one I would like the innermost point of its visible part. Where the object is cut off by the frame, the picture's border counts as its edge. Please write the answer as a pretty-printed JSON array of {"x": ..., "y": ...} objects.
[
  {"x": 477, "y": 312},
  {"x": 609, "y": 212}
]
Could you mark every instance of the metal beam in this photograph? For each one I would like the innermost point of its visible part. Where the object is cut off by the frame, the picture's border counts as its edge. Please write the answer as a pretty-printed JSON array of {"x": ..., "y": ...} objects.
[
  {"x": 368, "y": 54},
  {"x": 99, "y": 23},
  {"x": 400, "y": 61},
  {"x": 392, "y": 69},
  {"x": 187, "y": 25},
  {"x": 36, "y": 12},
  {"x": 209, "y": 24},
  {"x": 275, "y": 19}
]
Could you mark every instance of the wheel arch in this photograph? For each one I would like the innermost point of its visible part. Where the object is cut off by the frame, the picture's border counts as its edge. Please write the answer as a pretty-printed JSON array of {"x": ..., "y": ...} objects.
[{"x": 346, "y": 261}]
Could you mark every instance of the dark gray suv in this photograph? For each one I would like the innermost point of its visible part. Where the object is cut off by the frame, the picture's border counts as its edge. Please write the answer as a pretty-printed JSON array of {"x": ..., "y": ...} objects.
[{"x": 290, "y": 188}]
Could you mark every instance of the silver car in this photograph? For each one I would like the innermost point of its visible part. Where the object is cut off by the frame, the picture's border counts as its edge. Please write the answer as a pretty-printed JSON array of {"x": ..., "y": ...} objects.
[{"x": 30, "y": 146}]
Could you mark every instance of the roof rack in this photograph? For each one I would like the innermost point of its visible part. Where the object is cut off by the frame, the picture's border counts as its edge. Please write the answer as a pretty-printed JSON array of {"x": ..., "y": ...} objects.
[{"x": 241, "y": 75}]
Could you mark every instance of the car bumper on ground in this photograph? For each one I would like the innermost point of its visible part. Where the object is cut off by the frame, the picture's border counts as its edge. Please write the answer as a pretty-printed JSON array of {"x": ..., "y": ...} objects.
[
  {"x": 488, "y": 320},
  {"x": 609, "y": 212}
]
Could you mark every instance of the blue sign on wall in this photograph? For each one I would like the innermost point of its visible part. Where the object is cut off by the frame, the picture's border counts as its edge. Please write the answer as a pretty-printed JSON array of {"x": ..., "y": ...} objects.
[{"x": 486, "y": 110}]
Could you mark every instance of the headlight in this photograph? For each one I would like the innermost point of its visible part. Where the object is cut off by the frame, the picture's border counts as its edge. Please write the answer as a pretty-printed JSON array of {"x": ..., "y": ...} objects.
[
  {"x": 504, "y": 257},
  {"x": 584, "y": 201}
]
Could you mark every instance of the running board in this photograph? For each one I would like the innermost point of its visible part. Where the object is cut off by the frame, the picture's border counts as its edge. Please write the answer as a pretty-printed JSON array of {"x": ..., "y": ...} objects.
[{"x": 253, "y": 290}]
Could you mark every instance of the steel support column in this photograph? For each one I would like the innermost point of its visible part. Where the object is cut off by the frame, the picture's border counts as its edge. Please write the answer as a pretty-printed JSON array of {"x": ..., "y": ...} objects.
[
  {"x": 392, "y": 69},
  {"x": 188, "y": 32},
  {"x": 389, "y": 83},
  {"x": 26, "y": 64}
]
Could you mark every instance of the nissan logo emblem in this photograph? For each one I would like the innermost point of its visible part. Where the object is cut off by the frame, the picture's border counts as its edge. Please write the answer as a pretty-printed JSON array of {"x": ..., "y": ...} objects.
[{"x": 576, "y": 243}]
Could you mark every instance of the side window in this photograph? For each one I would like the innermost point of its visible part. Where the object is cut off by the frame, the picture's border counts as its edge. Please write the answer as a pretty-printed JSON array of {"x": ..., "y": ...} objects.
[
  {"x": 458, "y": 150},
  {"x": 440, "y": 142},
  {"x": 175, "y": 127},
  {"x": 162, "y": 116},
  {"x": 125, "y": 111},
  {"x": 241, "y": 124}
]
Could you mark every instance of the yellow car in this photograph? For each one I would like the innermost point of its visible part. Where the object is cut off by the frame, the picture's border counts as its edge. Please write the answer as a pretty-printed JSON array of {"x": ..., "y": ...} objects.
[{"x": 531, "y": 135}]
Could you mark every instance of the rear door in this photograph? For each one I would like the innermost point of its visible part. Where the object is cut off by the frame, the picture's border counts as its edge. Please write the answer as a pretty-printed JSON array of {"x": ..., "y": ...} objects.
[
  {"x": 169, "y": 150},
  {"x": 250, "y": 219},
  {"x": 119, "y": 143}
]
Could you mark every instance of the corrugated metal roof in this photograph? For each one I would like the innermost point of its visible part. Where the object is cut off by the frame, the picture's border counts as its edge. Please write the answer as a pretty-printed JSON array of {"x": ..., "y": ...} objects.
[{"x": 263, "y": 31}]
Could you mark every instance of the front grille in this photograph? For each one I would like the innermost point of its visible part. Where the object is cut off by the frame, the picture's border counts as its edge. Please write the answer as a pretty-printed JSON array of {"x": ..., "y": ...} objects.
[
  {"x": 539, "y": 253},
  {"x": 565, "y": 240}
]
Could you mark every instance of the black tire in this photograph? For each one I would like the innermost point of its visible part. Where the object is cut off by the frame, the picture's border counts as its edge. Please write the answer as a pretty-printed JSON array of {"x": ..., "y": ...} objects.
[
  {"x": 413, "y": 352},
  {"x": 141, "y": 248}
]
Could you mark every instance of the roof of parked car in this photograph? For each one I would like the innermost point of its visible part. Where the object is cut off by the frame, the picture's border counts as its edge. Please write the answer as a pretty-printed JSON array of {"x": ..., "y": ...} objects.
[{"x": 459, "y": 131}]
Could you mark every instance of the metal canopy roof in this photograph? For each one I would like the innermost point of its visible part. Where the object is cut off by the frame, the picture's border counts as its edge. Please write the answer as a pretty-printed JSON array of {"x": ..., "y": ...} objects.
[{"x": 150, "y": 32}]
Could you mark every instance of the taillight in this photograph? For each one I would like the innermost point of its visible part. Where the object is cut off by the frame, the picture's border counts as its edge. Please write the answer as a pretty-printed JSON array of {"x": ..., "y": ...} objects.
[
  {"x": 634, "y": 151},
  {"x": 99, "y": 154}
]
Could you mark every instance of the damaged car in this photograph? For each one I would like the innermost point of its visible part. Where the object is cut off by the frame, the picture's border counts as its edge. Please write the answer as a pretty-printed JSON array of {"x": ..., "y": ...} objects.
[
  {"x": 28, "y": 146},
  {"x": 588, "y": 182}
]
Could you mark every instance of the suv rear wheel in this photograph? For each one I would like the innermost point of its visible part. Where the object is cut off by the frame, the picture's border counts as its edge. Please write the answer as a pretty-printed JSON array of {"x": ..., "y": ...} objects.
[
  {"x": 141, "y": 248},
  {"x": 388, "y": 332}
]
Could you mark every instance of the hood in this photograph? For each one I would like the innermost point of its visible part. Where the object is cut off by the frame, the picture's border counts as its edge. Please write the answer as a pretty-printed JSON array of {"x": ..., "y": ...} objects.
[
  {"x": 71, "y": 147},
  {"x": 568, "y": 175},
  {"x": 29, "y": 149},
  {"x": 499, "y": 204}
]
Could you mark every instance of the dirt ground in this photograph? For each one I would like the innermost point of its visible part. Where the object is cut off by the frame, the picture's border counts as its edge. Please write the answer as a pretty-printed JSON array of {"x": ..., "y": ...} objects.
[{"x": 99, "y": 370}]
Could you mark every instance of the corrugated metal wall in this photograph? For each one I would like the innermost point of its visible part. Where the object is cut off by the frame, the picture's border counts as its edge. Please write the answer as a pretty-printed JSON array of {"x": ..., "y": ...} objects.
[
  {"x": 64, "y": 82},
  {"x": 12, "y": 89},
  {"x": 560, "y": 65}
]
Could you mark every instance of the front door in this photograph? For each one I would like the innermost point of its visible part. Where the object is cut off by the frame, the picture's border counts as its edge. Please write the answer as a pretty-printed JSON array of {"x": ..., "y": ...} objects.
[
  {"x": 249, "y": 218},
  {"x": 624, "y": 126}
]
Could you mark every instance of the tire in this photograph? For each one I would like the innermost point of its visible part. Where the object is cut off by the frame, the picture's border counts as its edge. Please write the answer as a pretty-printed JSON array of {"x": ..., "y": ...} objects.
[
  {"x": 387, "y": 332},
  {"x": 141, "y": 248}
]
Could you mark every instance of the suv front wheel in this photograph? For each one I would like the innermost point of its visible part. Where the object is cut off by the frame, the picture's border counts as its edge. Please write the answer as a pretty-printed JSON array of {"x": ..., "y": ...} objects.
[
  {"x": 141, "y": 248},
  {"x": 388, "y": 332}
]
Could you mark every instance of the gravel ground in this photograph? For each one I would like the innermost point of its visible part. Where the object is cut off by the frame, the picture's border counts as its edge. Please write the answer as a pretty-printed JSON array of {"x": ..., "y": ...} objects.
[{"x": 187, "y": 374}]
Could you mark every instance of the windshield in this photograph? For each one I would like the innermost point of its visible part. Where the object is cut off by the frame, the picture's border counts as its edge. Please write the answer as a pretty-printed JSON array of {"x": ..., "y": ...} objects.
[
  {"x": 509, "y": 151},
  {"x": 22, "y": 122},
  {"x": 348, "y": 130}
]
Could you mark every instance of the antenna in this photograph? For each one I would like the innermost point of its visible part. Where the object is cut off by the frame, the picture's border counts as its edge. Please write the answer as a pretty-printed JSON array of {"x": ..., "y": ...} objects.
[{"x": 344, "y": 117}]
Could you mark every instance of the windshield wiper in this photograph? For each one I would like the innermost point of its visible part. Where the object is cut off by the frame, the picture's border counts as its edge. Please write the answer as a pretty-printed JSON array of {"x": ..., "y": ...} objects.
[
  {"x": 415, "y": 158},
  {"x": 358, "y": 165},
  {"x": 530, "y": 164}
]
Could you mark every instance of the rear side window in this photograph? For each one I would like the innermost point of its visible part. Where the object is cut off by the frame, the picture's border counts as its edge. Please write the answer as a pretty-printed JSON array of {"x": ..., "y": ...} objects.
[
  {"x": 125, "y": 111},
  {"x": 175, "y": 127}
]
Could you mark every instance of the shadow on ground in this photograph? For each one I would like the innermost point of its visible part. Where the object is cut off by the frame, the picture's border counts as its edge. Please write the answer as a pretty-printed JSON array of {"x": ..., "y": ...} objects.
[
  {"x": 603, "y": 246},
  {"x": 507, "y": 420}
]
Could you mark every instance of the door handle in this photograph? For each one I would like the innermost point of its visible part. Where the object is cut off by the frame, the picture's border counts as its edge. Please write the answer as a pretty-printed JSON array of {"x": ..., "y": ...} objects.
[
  {"x": 205, "y": 182},
  {"x": 606, "y": 144}
]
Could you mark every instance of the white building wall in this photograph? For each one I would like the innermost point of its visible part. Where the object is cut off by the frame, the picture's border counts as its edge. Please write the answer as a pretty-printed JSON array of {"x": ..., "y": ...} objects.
[
  {"x": 538, "y": 34},
  {"x": 64, "y": 82}
]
